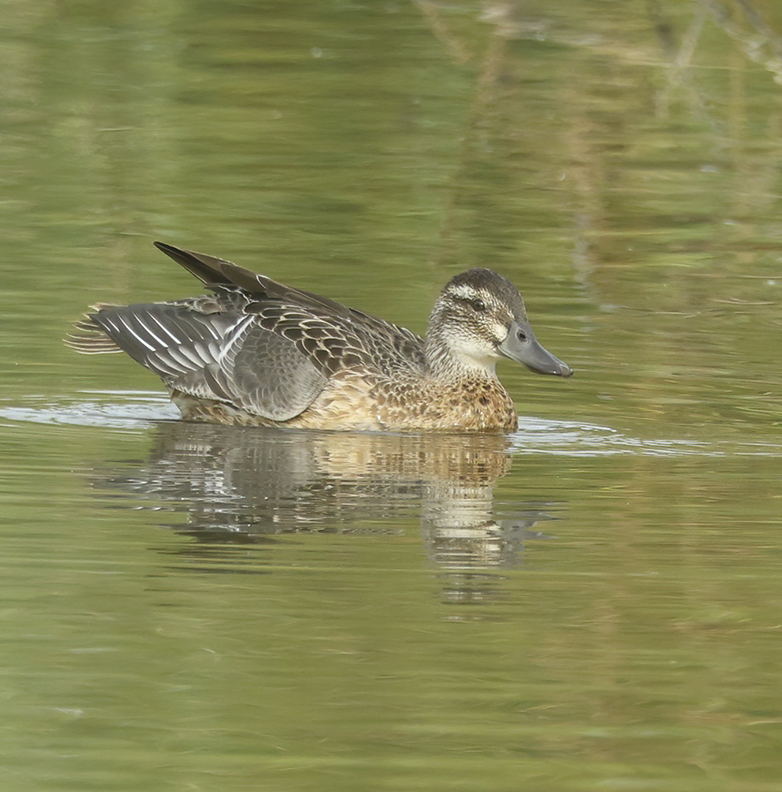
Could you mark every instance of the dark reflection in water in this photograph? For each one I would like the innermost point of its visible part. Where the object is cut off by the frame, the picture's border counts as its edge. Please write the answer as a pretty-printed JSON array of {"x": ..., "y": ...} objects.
[{"x": 239, "y": 488}]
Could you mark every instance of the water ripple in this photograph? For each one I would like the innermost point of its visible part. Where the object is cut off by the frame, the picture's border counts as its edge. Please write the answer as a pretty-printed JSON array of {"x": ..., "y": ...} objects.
[{"x": 140, "y": 409}]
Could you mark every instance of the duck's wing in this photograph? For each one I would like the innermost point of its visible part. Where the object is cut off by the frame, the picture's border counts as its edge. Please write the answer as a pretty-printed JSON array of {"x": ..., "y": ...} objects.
[
  {"x": 208, "y": 348},
  {"x": 385, "y": 345},
  {"x": 213, "y": 271},
  {"x": 264, "y": 347}
]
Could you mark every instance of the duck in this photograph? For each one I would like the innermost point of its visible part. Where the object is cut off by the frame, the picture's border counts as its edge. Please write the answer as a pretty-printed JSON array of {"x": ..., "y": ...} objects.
[{"x": 255, "y": 352}]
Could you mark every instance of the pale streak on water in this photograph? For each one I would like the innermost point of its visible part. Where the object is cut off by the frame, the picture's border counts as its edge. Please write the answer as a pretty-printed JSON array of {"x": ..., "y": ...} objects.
[{"x": 142, "y": 409}]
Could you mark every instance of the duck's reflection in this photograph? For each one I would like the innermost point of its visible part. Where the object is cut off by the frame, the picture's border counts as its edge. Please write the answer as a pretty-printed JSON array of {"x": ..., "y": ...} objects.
[{"x": 238, "y": 487}]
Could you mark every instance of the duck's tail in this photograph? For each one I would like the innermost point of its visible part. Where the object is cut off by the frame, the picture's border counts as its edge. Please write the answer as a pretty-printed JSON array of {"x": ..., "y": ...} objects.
[{"x": 88, "y": 337}]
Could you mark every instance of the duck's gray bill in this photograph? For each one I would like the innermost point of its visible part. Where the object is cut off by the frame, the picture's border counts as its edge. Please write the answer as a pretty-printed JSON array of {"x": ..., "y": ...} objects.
[{"x": 522, "y": 346}]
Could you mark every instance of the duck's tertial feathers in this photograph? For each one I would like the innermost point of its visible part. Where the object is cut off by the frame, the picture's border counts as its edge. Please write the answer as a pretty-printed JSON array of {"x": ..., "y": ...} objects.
[{"x": 218, "y": 272}]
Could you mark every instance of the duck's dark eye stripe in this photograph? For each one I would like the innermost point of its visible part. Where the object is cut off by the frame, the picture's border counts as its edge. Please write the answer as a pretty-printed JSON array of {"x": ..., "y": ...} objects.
[{"x": 475, "y": 303}]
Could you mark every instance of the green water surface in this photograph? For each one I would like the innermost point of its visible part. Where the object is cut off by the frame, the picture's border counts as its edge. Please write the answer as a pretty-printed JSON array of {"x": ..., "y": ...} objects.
[{"x": 591, "y": 604}]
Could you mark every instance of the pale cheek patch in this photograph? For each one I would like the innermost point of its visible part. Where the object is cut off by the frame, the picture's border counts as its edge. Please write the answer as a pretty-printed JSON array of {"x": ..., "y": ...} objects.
[{"x": 500, "y": 332}]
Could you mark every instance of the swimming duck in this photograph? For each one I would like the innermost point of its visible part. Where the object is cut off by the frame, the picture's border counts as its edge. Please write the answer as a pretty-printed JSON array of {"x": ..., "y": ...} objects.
[{"x": 256, "y": 352}]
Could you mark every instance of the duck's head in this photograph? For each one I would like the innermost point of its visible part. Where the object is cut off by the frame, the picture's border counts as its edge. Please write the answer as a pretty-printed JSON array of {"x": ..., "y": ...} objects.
[{"x": 479, "y": 318}]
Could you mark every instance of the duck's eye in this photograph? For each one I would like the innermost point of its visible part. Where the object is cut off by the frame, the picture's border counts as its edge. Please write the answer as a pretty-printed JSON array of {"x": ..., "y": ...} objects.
[{"x": 479, "y": 306}]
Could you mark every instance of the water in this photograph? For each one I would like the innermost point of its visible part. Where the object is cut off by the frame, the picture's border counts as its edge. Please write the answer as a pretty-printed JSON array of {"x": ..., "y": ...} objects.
[{"x": 590, "y": 603}]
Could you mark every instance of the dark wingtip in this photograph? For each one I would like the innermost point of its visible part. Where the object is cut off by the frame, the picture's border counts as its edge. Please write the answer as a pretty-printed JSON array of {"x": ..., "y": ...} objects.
[
  {"x": 178, "y": 254},
  {"x": 207, "y": 269}
]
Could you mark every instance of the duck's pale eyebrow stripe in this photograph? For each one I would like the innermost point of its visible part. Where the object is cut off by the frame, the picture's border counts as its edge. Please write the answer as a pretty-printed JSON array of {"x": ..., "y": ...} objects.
[{"x": 464, "y": 292}]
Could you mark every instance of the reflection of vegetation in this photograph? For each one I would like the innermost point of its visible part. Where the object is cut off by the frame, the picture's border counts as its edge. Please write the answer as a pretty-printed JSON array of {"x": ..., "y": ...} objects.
[
  {"x": 603, "y": 120},
  {"x": 642, "y": 149},
  {"x": 757, "y": 39}
]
